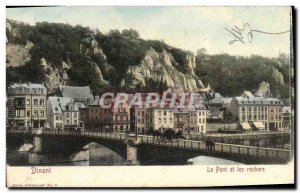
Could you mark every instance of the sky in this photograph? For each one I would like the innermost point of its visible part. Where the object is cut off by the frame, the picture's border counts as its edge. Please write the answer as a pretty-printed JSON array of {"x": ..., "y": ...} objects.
[{"x": 188, "y": 28}]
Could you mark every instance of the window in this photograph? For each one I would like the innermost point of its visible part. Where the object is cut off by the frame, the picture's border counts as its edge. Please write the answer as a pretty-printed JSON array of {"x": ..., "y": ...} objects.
[
  {"x": 165, "y": 120},
  {"x": 159, "y": 120},
  {"x": 68, "y": 115},
  {"x": 165, "y": 113},
  {"x": 28, "y": 102},
  {"x": 67, "y": 122},
  {"x": 35, "y": 102},
  {"x": 41, "y": 102},
  {"x": 9, "y": 113},
  {"x": 170, "y": 120},
  {"x": 75, "y": 114},
  {"x": 42, "y": 113},
  {"x": 9, "y": 102},
  {"x": 243, "y": 118},
  {"x": 28, "y": 113},
  {"x": 75, "y": 122},
  {"x": 17, "y": 113},
  {"x": 36, "y": 113},
  {"x": 22, "y": 113},
  {"x": 56, "y": 117}
]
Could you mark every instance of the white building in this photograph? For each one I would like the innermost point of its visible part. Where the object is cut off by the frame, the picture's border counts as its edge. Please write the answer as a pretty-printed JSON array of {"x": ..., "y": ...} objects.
[
  {"x": 250, "y": 109},
  {"x": 63, "y": 112},
  {"x": 160, "y": 118}
]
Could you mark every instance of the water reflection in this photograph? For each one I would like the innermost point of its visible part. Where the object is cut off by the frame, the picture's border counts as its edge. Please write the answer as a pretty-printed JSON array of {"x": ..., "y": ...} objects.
[
  {"x": 206, "y": 160},
  {"x": 91, "y": 155}
]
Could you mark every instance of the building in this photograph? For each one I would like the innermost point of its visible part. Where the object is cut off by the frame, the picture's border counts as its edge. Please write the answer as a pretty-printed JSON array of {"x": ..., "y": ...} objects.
[
  {"x": 115, "y": 119},
  {"x": 182, "y": 119},
  {"x": 220, "y": 102},
  {"x": 26, "y": 105},
  {"x": 63, "y": 112},
  {"x": 248, "y": 108},
  {"x": 138, "y": 120},
  {"x": 83, "y": 116},
  {"x": 275, "y": 114},
  {"x": 160, "y": 119},
  {"x": 197, "y": 119},
  {"x": 214, "y": 114},
  {"x": 286, "y": 117},
  {"x": 190, "y": 119}
]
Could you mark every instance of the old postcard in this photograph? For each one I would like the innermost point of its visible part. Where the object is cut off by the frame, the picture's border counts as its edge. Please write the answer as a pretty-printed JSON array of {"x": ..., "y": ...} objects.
[{"x": 149, "y": 96}]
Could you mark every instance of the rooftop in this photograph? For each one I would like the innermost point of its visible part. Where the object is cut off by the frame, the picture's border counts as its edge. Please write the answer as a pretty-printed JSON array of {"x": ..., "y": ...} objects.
[
  {"x": 27, "y": 85},
  {"x": 258, "y": 100},
  {"x": 83, "y": 92},
  {"x": 60, "y": 104}
]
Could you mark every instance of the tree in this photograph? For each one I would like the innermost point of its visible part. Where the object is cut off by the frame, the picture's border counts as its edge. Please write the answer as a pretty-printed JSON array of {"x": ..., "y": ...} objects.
[{"x": 169, "y": 134}]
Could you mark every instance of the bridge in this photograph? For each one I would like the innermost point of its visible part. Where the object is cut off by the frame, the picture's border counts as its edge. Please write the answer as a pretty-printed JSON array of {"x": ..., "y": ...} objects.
[
  {"x": 277, "y": 139},
  {"x": 144, "y": 147}
]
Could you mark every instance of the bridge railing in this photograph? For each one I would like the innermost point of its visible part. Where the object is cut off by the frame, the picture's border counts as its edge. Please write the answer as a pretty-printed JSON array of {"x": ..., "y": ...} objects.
[
  {"x": 236, "y": 135},
  {"x": 270, "y": 153},
  {"x": 223, "y": 148},
  {"x": 105, "y": 135}
]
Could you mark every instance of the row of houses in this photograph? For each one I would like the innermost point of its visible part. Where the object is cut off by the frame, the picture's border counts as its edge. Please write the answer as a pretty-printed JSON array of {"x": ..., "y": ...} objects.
[
  {"x": 28, "y": 105},
  {"x": 142, "y": 120},
  {"x": 250, "y": 111}
]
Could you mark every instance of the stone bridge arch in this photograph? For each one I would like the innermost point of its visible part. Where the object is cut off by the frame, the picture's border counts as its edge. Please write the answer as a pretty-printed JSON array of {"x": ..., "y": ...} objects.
[
  {"x": 15, "y": 141},
  {"x": 72, "y": 144}
]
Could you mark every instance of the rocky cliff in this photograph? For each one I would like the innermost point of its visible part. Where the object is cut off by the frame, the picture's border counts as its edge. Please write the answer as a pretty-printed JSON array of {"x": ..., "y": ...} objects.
[
  {"x": 159, "y": 66},
  {"x": 81, "y": 57},
  {"x": 263, "y": 90}
]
